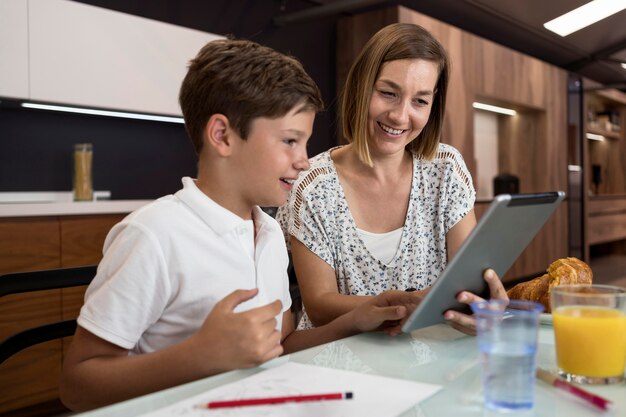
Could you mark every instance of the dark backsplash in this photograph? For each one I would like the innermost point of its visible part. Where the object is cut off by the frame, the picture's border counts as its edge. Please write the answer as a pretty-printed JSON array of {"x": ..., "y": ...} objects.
[{"x": 133, "y": 159}]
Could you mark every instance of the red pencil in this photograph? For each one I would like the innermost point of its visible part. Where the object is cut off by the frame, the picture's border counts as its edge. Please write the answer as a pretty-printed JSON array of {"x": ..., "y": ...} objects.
[
  {"x": 278, "y": 400},
  {"x": 591, "y": 398}
]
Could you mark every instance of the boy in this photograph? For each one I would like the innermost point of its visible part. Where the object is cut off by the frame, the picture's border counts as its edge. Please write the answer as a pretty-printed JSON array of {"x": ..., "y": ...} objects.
[{"x": 196, "y": 283}]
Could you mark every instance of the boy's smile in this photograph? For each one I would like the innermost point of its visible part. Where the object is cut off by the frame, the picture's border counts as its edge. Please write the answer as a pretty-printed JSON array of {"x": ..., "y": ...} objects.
[
  {"x": 271, "y": 158},
  {"x": 287, "y": 183}
]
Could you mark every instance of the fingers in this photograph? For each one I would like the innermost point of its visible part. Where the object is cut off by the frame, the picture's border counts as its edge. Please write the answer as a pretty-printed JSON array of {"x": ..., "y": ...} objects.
[
  {"x": 259, "y": 333},
  {"x": 466, "y": 297},
  {"x": 496, "y": 289},
  {"x": 253, "y": 351},
  {"x": 386, "y": 311},
  {"x": 237, "y": 297},
  {"x": 461, "y": 322},
  {"x": 239, "y": 339},
  {"x": 274, "y": 349},
  {"x": 258, "y": 325},
  {"x": 264, "y": 313},
  {"x": 393, "y": 330},
  {"x": 266, "y": 348},
  {"x": 466, "y": 323},
  {"x": 267, "y": 312},
  {"x": 411, "y": 298},
  {"x": 392, "y": 313},
  {"x": 370, "y": 316},
  {"x": 395, "y": 298}
]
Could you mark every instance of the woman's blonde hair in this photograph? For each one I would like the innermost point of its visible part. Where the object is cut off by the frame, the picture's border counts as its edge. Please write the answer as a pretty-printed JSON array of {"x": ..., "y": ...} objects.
[{"x": 391, "y": 43}]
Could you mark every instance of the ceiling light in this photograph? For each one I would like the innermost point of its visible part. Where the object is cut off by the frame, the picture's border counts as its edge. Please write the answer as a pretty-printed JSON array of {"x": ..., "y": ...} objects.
[
  {"x": 593, "y": 136},
  {"x": 496, "y": 109},
  {"x": 584, "y": 16},
  {"x": 110, "y": 113},
  {"x": 623, "y": 64}
]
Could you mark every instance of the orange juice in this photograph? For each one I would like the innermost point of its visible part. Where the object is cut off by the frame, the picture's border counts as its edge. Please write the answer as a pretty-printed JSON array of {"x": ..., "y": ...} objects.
[{"x": 590, "y": 341}]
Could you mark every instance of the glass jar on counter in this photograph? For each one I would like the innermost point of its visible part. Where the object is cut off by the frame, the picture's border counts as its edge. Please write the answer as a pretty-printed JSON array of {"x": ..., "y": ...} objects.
[{"x": 82, "y": 182}]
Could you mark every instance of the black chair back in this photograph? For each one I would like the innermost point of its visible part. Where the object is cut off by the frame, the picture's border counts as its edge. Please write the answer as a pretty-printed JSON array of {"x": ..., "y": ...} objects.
[{"x": 23, "y": 282}]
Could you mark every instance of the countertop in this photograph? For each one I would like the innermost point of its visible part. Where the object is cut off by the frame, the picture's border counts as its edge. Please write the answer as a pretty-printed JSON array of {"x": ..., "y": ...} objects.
[{"x": 69, "y": 208}]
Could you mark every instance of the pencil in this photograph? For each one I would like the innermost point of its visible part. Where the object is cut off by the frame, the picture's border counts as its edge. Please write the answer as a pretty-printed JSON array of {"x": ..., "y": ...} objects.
[
  {"x": 587, "y": 396},
  {"x": 278, "y": 400}
]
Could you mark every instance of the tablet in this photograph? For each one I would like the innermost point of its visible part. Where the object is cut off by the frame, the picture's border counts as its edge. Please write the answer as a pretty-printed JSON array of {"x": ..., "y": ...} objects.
[{"x": 506, "y": 228}]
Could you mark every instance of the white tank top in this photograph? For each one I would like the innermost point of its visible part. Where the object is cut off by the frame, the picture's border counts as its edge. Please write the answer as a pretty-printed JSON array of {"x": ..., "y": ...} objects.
[{"x": 383, "y": 246}]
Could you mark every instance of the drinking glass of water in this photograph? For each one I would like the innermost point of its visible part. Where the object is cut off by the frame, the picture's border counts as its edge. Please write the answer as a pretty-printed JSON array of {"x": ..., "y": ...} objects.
[{"x": 507, "y": 340}]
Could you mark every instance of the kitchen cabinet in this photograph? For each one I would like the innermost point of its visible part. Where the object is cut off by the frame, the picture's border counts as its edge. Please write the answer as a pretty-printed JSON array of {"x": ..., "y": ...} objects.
[
  {"x": 605, "y": 142},
  {"x": 607, "y": 219},
  {"x": 604, "y": 166},
  {"x": 88, "y": 56},
  {"x": 31, "y": 377},
  {"x": 14, "y": 48}
]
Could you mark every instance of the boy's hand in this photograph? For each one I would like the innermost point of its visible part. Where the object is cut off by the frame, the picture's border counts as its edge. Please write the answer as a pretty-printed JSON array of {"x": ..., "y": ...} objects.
[
  {"x": 467, "y": 323},
  {"x": 239, "y": 340},
  {"x": 386, "y": 311}
]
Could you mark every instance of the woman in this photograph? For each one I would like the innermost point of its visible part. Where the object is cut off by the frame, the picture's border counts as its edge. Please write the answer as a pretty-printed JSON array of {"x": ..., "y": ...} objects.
[{"x": 388, "y": 210}]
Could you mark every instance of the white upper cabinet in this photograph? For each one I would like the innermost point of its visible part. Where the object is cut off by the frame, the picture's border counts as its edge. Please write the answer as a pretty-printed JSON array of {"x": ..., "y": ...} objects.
[
  {"x": 89, "y": 56},
  {"x": 13, "y": 48}
]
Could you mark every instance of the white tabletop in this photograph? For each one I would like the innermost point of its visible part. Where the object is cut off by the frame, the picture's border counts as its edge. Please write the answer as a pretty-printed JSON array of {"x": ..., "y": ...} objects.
[{"x": 436, "y": 355}]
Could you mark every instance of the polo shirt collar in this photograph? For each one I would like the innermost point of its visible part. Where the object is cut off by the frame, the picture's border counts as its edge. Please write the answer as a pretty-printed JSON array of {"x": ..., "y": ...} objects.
[{"x": 218, "y": 218}]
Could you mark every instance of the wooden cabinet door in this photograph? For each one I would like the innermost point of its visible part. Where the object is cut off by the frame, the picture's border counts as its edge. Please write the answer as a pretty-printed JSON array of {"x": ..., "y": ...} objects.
[
  {"x": 82, "y": 238},
  {"x": 31, "y": 376},
  {"x": 29, "y": 244}
]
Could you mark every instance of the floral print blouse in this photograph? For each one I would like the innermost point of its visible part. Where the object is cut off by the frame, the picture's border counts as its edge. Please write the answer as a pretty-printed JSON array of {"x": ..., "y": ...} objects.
[{"x": 317, "y": 214}]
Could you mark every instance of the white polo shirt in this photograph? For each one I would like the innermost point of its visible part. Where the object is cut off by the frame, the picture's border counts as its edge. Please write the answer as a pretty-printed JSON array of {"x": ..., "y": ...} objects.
[{"x": 168, "y": 263}]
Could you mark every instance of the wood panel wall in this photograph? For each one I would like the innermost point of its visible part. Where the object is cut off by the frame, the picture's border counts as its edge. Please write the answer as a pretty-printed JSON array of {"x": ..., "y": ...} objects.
[{"x": 533, "y": 145}]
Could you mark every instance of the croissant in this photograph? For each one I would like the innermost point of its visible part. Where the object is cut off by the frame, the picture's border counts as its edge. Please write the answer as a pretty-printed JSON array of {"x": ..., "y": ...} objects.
[{"x": 561, "y": 271}]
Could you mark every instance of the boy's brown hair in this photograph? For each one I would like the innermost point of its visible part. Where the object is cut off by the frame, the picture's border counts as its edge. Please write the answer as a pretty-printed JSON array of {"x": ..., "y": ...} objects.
[
  {"x": 393, "y": 42},
  {"x": 243, "y": 81}
]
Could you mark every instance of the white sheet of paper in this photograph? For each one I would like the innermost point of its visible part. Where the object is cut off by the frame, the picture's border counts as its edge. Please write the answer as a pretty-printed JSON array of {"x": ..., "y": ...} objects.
[{"x": 374, "y": 396}]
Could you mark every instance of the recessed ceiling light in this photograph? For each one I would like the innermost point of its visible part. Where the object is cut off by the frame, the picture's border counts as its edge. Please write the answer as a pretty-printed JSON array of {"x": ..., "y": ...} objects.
[
  {"x": 584, "y": 16},
  {"x": 495, "y": 109},
  {"x": 95, "y": 112}
]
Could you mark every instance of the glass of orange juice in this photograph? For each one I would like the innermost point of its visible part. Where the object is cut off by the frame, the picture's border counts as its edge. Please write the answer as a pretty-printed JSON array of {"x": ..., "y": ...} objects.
[{"x": 590, "y": 332}]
